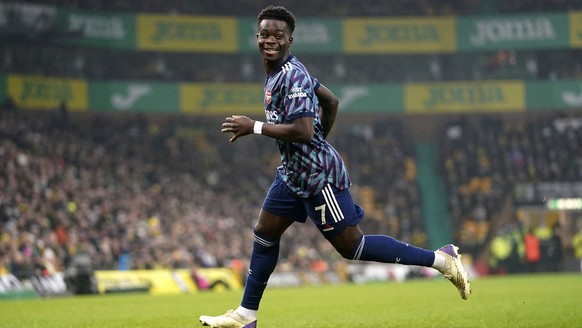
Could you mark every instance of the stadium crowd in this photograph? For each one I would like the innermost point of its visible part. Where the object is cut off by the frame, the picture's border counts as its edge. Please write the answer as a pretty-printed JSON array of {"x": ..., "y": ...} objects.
[
  {"x": 145, "y": 192},
  {"x": 483, "y": 159}
]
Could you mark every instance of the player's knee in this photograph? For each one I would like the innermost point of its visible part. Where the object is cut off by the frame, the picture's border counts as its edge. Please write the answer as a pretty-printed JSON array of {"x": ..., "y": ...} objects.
[
  {"x": 264, "y": 243},
  {"x": 347, "y": 242}
]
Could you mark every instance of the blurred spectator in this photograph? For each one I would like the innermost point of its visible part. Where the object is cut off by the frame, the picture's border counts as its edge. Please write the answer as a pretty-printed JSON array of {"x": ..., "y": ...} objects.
[
  {"x": 555, "y": 251},
  {"x": 79, "y": 274},
  {"x": 59, "y": 119},
  {"x": 8, "y": 105},
  {"x": 532, "y": 250}
]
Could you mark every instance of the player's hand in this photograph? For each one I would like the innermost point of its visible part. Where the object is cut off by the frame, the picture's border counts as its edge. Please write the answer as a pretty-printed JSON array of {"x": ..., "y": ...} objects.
[{"x": 238, "y": 125}]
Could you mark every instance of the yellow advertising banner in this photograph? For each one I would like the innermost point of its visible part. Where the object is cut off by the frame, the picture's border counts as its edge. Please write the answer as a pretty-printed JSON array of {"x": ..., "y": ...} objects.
[
  {"x": 226, "y": 98},
  {"x": 155, "y": 282},
  {"x": 576, "y": 29},
  {"x": 464, "y": 97},
  {"x": 39, "y": 92},
  {"x": 399, "y": 35},
  {"x": 164, "y": 282},
  {"x": 187, "y": 33}
]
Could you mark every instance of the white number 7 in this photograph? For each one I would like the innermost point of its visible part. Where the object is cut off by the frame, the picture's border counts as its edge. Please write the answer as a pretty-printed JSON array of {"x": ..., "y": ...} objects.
[{"x": 322, "y": 209}]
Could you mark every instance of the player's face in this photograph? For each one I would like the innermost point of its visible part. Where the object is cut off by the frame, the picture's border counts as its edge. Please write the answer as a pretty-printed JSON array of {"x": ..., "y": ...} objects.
[{"x": 274, "y": 40}]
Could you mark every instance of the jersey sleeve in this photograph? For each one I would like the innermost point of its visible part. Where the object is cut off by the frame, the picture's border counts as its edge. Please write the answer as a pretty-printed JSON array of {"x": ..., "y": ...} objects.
[
  {"x": 316, "y": 83},
  {"x": 299, "y": 96}
]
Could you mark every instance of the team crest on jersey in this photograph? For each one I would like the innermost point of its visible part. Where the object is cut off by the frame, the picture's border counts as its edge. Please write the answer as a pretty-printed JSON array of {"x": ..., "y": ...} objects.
[{"x": 268, "y": 96}]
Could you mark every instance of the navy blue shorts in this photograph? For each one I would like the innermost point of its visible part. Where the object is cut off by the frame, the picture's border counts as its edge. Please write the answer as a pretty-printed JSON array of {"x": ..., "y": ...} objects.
[{"x": 332, "y": 210}]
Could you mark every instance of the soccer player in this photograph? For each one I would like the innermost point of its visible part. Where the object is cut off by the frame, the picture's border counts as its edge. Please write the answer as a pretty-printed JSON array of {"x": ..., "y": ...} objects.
[{"x": 312, "y": 180}]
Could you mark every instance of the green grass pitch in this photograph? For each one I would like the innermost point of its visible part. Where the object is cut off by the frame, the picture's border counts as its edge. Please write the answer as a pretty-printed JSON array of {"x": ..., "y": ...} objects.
[{"x": 540, "y": 300}]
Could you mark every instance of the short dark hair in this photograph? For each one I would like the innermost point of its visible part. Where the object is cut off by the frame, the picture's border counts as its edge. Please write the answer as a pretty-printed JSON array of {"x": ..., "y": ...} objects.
[{"x": 277, "y": 13}]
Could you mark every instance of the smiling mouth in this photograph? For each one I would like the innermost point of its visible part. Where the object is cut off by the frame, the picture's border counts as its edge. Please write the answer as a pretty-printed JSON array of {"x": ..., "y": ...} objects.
[{"x": 270, "y": 51}]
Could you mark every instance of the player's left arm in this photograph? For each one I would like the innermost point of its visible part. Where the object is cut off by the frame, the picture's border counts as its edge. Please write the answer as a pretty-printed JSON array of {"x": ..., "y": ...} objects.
[{"x": 329, "y": 104}]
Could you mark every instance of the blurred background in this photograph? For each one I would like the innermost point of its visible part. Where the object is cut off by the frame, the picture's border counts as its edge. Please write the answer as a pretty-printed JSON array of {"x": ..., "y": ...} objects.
[{"x": 459, "y": 123}]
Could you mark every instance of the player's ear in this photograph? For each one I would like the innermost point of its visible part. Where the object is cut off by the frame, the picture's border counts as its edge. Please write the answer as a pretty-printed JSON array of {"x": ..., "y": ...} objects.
[{"x": 290, "y": 40}]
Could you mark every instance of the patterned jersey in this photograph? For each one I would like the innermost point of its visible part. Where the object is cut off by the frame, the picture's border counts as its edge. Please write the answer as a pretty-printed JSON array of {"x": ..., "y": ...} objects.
[{"x": 305, "y": 168}]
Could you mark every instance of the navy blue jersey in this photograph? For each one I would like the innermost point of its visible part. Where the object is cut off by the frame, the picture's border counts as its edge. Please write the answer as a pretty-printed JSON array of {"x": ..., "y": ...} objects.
[{"x": 305, "y": 168}]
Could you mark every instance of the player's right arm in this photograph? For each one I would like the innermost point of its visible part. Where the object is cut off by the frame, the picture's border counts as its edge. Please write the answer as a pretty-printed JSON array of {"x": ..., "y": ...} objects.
[
  {"x": 329, "y": 104},
  {"x": 299, "y": 130}
]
